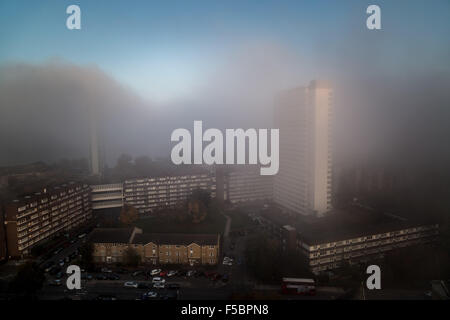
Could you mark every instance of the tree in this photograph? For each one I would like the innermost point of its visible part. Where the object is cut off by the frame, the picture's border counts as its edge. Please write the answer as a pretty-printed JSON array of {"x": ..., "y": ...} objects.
[
  {"x": 124, "y": 161},
  {"x": 131, "y": 257},
  {"x": 128, "y": 215},
  {"x": 86, "y": 252},
  {"x": 198, "y": 205},
  {"x": 143, "y": 166},
  {"x": 28, "y": 280}
]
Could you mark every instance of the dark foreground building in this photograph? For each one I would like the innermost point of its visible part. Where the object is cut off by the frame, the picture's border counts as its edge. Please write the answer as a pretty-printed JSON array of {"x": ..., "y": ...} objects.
[{"x": 35, "y": 218}]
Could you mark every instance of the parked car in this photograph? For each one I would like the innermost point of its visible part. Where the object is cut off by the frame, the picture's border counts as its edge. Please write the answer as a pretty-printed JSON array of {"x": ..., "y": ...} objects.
[
  {"x": 56, "y": 283},
  {"x": 172, "y": 273},
  {"x": 158, "y": 285},
  {"x": 59, "y": 275},
  {"x": 163, "y": 273},
  {"x": 81, "y": 236},
  {"x": 151, "y": 294},
  {"x": 54, "y": 270},
  {"x": 158, "y": 280},
  {"x": 106, "y": 270},
  {"x": 61, "y": 263},
  {"x": 191, "y": 273},
  {"x": 48, "y": 266},
  {"x": 217, "y": 276},
  {"x": 169, "y": 296},
  {"x": 85, "y": 276},
  {"x": 182, "y": 273},
  {"x": 101, "y": 277},
  {"x": 155, "y": 272},
  {"x": 136, "y": 273},
  {"x": 130, "y": 284}
]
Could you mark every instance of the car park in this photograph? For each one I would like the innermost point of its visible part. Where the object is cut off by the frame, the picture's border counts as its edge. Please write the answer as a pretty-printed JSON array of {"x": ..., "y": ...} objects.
[
  {"x": 122, "y": 271},
  {"x": 142, "y": 285},
  {"x": 130, "y": 284},
  {"x": 54, "y": 270},
  {"x": 105, "y": 297},
  {"x": 48, "y": 266},
  {"x": 216, "y": 277},
  {"x": 173, "y": 286},
  {"x": 113, "y": 276},
  {"x": 85, "y": 276},
  {"x": 101, "y": 277}
]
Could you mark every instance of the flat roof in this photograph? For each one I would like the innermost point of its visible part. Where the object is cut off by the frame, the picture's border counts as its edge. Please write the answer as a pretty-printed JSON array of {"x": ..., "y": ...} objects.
[{"x": 351, "y": 222}]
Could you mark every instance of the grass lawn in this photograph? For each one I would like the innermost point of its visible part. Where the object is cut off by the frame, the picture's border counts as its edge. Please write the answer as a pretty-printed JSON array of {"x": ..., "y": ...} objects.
[{"x": 212, "y": 224}]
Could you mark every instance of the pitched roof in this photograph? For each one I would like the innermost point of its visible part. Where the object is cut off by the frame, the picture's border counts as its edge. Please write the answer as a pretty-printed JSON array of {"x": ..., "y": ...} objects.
[{"x": 176, "y": 238}]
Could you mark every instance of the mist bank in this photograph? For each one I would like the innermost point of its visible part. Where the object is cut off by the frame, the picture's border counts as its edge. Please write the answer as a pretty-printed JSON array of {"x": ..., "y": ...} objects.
[{"x": 45, "y": 111}]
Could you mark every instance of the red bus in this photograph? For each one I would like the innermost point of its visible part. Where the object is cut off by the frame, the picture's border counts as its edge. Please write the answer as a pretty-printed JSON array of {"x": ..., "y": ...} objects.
[{"x": 298, "y": 286}]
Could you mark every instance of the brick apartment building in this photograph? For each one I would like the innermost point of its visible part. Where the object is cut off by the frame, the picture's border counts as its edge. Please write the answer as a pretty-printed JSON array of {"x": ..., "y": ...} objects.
[
  {"x": 148, "y": 194},
  {"x": 189, "y": 249},
  {"x": 35, "y": 218},
  {"x": 353, "y": 235}
]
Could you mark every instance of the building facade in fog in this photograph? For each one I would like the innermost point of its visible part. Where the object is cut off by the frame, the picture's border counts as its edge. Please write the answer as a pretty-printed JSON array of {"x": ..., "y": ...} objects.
[
  {"x": 105, "y": 196},
  {"x": 148, "y": 194},
  {"x": 245, "y": 183},
  {"x": 38, "y": 217},
  {"x": 353, "y": 235},
  {"x": 2, "y": 238},
  {"x": 303, "y": 183},
  {"x": 153, "y": 248}
]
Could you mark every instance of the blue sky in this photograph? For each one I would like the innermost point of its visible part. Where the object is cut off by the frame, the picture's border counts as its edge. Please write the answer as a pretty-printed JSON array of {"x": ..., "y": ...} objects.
[{"x": 171, "y": 46}]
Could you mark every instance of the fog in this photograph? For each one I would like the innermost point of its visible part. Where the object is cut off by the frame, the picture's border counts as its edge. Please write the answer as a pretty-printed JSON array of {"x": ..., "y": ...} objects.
[{"x": 380, "y": 116}]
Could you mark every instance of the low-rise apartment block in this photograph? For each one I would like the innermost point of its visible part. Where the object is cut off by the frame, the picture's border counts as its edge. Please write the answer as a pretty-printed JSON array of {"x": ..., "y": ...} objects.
[
  {"x": 34, "y": 218},
  {"x": 353, "y": 235},
  {"x": 149, "y": 194},
  {"x": 154, "y": 248}
]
